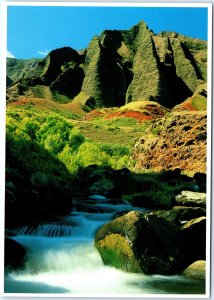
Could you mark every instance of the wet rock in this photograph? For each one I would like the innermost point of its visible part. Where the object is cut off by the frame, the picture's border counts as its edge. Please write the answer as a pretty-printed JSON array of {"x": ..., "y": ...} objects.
[
  {"x": 171, "y": 216},
  {"x": 186, "y": 213},
  {"x": 196, "y": 270},
  {"x": 142, "y": 200},
  {"x": 56, "y": 199},
  {"x": 193, "y": 237},
  {"x": 188, "y": 198},
  {"x": 18, "y": 215},
  {"x": 39, "y": 180},
  {"x": 14, "y": 254},
  {"x": 179, "y": 215},
  {"x": 200, "y": 179},
  {"x": 138, "y": 242}
]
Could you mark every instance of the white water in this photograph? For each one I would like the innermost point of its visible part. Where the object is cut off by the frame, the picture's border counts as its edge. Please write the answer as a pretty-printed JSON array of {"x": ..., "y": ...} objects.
[{"x": 62, "y": 259}]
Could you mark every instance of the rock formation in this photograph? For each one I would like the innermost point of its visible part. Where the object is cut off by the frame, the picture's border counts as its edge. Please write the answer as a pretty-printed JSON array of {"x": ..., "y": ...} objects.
[
  {"x": 174, "y": 141},
  {"x": 117, "y": 67}
]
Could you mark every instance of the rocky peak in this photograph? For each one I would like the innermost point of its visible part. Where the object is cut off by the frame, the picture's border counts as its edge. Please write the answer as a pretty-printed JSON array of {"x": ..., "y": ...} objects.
[
  {"x": 118, "y": 67},
  {"x": 56, "y": 59}
]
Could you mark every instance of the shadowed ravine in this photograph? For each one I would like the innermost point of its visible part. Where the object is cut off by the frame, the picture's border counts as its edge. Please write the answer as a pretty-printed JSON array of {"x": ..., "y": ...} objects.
[{"x": 62, "y": 259}]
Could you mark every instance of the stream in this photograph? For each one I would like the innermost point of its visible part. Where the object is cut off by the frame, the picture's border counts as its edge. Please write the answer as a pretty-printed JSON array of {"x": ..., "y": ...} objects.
[{"x": 62, "y": 258}]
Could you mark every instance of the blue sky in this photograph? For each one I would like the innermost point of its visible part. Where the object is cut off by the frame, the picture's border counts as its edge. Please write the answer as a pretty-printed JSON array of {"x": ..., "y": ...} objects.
[{"x": 32, "y": 31}]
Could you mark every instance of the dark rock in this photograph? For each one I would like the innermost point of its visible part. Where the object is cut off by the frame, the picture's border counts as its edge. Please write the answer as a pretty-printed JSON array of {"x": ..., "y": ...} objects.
[
  {"x": 56, "y": 199},
  {"x": 14, "y": 254},
  {"x": 9, "y": 197},
  {"x": 9, "y": 81},
  {"x": 138, "y": 242},
  {"x": 193, "y": 237},
  {"x": 39, "y": 180},
  {"x": 202, "y": 136},
  {"x": 10, "y": 186},
  {"x": 56, "y": 59},
  {"x": 168, "y": 175},
  {"x": 171, "y": 216},
  {"x": 185, "y": 213},
  {"x": 130, "y": 183},
  {"x": 143, "y": 201},
  {"x": 186, "y": 128},
  {"x": 201, "y": 179},
  {"x": 18, "y": 215},
  {"x": 69, "y": 82}
]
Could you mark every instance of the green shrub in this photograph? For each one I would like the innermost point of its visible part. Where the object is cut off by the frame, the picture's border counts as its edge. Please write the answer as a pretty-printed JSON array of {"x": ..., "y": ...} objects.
[{"x": 62, "y": 140}]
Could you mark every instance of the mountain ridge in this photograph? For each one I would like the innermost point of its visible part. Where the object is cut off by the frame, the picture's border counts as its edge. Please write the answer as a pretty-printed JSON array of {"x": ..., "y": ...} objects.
[{"x": 117, "y": 67}]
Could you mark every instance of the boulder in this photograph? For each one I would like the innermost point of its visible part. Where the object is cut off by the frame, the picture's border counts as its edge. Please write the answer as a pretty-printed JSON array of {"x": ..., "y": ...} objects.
[
  {"x": 56, "y": 199},
  {"x": 14, "y": 254},
  {"x": 186, "y": 213},
  {"x": 188, "y": 198},
  {"x": 200, "y": 179},
  {"x": 193, "y": 239},
  {"x": 168, "y": 175},
  {"x": 138, "y": 242},
  {"x": 180, "y": 215},
  {"x": 196, "y": 270},
  {"x": 142, "y": 200},
  {"x": 171, "y": 216},
  {"x": 17, "y": 215}
]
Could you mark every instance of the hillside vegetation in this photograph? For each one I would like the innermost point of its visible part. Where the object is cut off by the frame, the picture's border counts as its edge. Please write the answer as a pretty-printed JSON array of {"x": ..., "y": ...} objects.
[
  {"x": 92, "y": 107},
  {"x": 31, "y": 132}
]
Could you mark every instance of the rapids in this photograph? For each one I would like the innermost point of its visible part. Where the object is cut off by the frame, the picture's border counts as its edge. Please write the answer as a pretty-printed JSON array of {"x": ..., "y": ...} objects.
[{"x": 62, "y": 259}]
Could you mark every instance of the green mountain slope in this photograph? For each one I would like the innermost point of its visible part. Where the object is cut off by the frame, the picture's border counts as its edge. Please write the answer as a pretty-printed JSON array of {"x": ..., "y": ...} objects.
[{"x": 117, "y": 67}]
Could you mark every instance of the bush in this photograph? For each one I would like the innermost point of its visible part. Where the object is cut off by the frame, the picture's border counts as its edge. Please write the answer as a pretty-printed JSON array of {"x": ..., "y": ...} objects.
[{"x": 57, "y": 135}]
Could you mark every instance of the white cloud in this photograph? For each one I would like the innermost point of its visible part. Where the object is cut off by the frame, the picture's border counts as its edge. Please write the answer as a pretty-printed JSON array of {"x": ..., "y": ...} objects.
[
  {"x": 44, "y": 53},
  {"x": 10, "y": 54}
]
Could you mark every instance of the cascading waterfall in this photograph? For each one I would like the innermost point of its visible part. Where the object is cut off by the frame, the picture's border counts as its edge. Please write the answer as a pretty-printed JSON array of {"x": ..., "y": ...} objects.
[{"x": 62, "y": 259}]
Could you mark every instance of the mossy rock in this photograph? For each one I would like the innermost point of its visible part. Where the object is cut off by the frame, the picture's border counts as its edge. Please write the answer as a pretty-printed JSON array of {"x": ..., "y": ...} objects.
[
  {"x": 137, "y": 242},
  {"x": 115, "y": 251},
  {"x": 196, "y": 270}
]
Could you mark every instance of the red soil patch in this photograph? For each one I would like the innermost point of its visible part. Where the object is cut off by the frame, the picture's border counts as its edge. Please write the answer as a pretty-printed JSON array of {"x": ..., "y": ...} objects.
[
  {"x": 188, "y": 106},
  {"x": 93, "y": 114},
  {"x": 129, "y": 114},
  {"x": 22, "y": 101}
]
